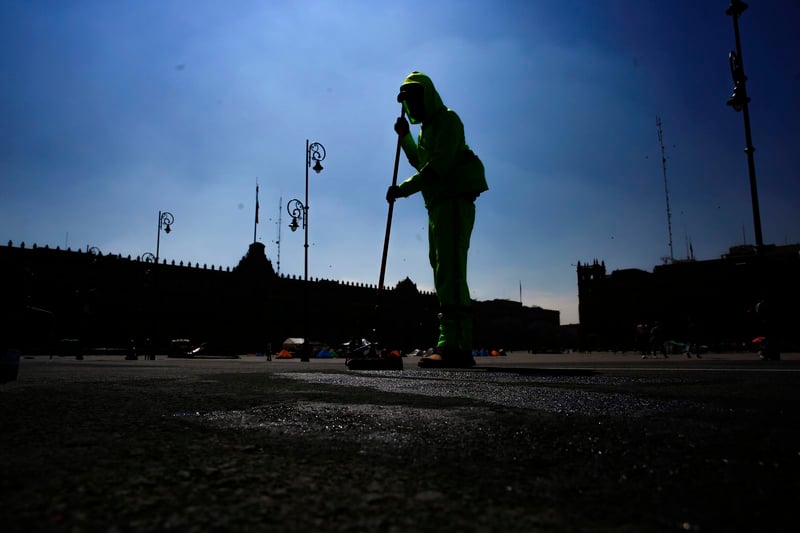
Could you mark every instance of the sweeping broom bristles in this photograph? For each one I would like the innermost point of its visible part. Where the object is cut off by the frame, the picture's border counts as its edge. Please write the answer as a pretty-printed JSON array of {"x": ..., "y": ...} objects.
[{"x": 373, "y": 360}]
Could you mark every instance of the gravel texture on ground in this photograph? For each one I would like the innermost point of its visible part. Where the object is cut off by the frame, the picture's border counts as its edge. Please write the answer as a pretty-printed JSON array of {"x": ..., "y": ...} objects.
[{"x": 115, "y": 447}]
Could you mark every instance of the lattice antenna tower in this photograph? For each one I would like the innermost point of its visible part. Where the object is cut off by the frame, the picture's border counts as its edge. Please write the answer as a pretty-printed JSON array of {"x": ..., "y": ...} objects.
[{"x": 666, "y": 188}]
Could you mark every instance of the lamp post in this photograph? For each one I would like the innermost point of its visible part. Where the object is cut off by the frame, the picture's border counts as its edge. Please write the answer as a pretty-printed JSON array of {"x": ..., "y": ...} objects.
[
  {"x": 298, "y": 210},
  {"x": 165, "y": 221},
  {"x": 739, "y": 102}
]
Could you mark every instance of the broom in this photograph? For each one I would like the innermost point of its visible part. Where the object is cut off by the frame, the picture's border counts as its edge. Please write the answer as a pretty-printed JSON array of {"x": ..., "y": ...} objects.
[{"x": 373, "y": 359}]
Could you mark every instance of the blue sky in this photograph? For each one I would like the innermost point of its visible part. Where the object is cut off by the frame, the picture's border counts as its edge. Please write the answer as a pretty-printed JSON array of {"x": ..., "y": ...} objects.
[{"x": 112, "y": 111}]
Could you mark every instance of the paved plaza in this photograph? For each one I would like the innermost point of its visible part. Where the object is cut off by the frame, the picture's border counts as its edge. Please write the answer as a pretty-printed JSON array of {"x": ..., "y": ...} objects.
[{"x": 526, "y": 442}]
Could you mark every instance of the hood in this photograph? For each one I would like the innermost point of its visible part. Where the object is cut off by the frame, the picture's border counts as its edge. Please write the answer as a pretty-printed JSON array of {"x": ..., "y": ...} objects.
[{"x": 432, "y": 101}]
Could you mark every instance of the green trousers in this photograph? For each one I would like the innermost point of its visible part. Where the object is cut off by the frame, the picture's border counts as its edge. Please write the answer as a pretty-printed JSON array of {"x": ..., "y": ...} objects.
[{"x": 449, "y": 229}]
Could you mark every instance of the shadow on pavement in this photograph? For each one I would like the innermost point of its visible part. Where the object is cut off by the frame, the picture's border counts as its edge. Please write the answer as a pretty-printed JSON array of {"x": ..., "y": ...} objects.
[{"x": 539, "y": 371}]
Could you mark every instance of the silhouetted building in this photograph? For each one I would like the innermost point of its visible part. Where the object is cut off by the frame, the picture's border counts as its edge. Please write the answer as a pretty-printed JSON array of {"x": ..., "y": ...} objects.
[
  {"x": 114, "y": 302},
  {"x": 711, "y": 302},
  {"x": 516, "y": 326}
]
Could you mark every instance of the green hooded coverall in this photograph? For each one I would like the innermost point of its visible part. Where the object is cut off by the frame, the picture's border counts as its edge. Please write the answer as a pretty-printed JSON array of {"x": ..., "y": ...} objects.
[{"x": 450, "y": 177}]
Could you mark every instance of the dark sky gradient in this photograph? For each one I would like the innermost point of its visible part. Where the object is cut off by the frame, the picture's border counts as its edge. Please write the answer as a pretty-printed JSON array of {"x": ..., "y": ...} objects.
[{"x": 112, "y": 111}]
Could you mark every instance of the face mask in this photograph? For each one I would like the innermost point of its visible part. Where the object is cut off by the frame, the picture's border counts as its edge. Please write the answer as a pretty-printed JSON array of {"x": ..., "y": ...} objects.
[
  {"x": 411, "y": 118},
  {"x": 414, "y": 109}
]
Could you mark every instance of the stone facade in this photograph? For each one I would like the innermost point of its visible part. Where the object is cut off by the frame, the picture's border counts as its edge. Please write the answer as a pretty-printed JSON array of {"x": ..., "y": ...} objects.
[{"x": 114, "y": 302}]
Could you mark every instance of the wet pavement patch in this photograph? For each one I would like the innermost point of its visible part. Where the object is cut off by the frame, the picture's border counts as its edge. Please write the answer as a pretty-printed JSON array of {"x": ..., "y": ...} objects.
[
  {"x": 365, "y": 423},
  {"x": 510, "y": 390},
  {"x": 482, "y": 393}
]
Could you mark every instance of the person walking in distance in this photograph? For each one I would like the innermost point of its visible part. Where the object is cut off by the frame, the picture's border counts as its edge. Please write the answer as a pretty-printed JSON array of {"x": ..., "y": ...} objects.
[{"x": 450, "y": 177}]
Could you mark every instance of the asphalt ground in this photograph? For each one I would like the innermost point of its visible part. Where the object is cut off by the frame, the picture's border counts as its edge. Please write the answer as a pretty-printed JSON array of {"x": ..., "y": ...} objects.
[{"x": 569, "y": 442}]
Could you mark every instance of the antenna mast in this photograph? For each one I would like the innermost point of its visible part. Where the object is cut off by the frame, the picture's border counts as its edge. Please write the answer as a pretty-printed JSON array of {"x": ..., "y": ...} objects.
[
  {"x": 278, "y": 242},
  {"x": 666, "y": 189}
]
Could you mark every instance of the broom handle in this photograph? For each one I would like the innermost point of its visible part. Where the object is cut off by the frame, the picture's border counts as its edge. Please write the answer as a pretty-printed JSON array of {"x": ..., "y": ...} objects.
[{"x": 391, "y": 210}]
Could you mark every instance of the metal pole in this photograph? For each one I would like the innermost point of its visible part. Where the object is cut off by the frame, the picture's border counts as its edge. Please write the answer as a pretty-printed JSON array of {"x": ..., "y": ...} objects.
[
  {"x": 306, "y": 346},
  {"x": 149, "y": 347},
  {"x": 751, "y": 167},
  {"x": 735, "y": 9},
  {"x": 158, "y": 237}
]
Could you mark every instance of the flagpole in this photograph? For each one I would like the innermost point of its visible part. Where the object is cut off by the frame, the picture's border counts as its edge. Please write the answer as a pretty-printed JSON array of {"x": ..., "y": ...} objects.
[{"x": 255, "y": 225}]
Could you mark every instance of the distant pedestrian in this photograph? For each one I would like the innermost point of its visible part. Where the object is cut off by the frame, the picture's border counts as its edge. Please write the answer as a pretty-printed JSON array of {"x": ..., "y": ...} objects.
[
  {"x": 642, "y": 338},
  {"x": 692, "y": 344},
  {"x": 770, "y": 346},
  {"x": 657, "y": 340}
]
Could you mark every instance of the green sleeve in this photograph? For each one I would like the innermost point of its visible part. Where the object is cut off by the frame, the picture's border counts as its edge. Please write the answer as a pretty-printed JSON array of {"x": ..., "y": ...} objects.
[
  {"x": 445, "y": 146},
  {"x": 410, "y": 149},
  {"x": 414, "y": 183},
  {"x": 440, "y": 144},
  {"x": 411, "y": 185}
]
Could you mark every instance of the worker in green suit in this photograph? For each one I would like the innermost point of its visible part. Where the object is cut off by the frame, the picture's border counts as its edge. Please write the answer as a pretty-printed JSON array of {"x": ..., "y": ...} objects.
[{"x": 450, "y": 177}]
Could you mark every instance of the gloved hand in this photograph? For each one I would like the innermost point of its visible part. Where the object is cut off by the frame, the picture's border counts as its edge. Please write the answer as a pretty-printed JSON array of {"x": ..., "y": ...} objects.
[
  {"x": 401, "y": 127},
  {"x": 393, "y": 193}
]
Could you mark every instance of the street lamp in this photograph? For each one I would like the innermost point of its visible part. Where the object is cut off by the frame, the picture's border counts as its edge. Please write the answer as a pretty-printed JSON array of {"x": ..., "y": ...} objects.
[
  {"x": 739, "y": 102},
  {"x": 298, "y": 210},
  {"x": 165, "y": 221}
]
